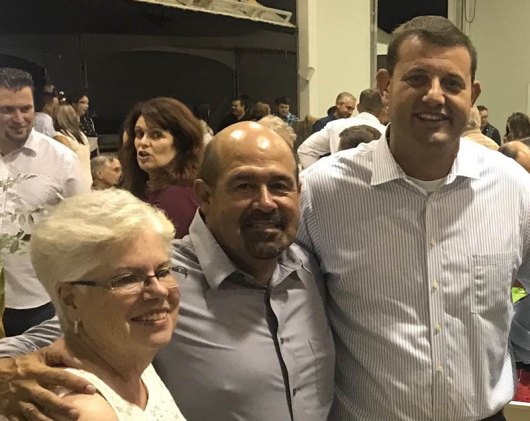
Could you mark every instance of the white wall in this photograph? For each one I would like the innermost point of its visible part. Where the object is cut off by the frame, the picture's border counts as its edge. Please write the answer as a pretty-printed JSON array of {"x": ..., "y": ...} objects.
[
  {"x": 334, "y": 51},
  {"x": 501, "y": 35}
]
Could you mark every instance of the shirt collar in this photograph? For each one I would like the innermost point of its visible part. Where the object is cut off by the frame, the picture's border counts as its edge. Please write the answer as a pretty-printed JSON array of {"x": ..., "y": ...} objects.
[
  {"x": 385, "y": 167},
  {"x": 214, "y": 263},
  {"x": 216, "y": 266}
]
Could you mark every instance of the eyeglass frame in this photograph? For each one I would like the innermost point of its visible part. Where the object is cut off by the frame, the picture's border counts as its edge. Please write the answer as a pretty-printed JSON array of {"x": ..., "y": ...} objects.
[{"x": 106, "y": 284}]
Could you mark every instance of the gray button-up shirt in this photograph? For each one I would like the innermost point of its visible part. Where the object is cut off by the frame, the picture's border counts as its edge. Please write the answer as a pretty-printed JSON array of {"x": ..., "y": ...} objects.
[{"x": 238, "y": 345}]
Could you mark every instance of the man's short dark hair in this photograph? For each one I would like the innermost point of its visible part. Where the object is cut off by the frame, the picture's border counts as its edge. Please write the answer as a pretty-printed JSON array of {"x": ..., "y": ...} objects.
[
  {"x": 518, "y": 125},
  {"x": 370, "y": 101},
  {"x": 15, "y": 79},
  {"x": 43, "y": 99},
  {"x": 354, "y": 136},
  {"x": 243, "y": 100},
  {"x": 482, "y": 108},
  {"x": 436, "y": 30},
  {"x": 282, "y": 100}
]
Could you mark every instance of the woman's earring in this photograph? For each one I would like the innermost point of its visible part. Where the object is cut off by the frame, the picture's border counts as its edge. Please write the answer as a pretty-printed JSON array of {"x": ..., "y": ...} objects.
[{"x": 76, "y": 327}]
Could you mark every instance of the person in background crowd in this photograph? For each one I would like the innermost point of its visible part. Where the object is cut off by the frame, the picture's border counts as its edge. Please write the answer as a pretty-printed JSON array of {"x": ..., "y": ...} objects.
[
  {"x": 239, "y": 113},
  {"x": 57, "y": 173},
  {"x": 472, "y": 131},
  {"x": 344, "y": 107},
  {"x": 518, "y": 151},
  {"x": 251, "y": 295},
  {"x": 106, "y": 171},
  {"x": 303, "y": 128},
  {"x": 46, "y": 104},
  {"x": 259, "y": 110},
  {"x": 283, "y": 106},
  {"x": 327, "y": 140},
  {"x": 406, "y": 229},
  {"x": 69, "y": 134},
  {"x": 353, "y": 136},
  {"x": 486, "y": 128},
  {"x": 517, "y": 128},
  {"x": 162, "y": 157},
  {"x": 277, "y": 125},
  {"x": 81, "y": 103},
  {"x": 202, "y": 113}
]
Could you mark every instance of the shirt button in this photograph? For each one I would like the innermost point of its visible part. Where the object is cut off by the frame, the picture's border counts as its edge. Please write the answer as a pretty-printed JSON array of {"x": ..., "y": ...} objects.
[
  {"x": 433, "y": 243},
  {"x": 437, "y": 328},
  {"x": 294, "y": 392},
  {"x": 435, "y": 285},
  {"x": 439, "y": 369},
  {"x": 282, "y": 340}
]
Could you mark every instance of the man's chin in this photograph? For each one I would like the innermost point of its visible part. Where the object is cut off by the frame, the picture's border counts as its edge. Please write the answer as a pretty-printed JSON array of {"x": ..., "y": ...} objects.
[
  {"x": 265, "y": 250},
  {"x": 18, "y": 138}
]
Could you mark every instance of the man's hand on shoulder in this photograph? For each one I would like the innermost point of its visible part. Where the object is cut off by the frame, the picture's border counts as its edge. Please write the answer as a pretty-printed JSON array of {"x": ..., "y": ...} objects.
[{"x": 27, "y": 384}]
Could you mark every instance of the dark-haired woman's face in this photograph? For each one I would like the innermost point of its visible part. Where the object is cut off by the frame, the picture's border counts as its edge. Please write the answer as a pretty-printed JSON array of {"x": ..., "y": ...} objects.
[
  {"x": 81, "y": 106},
  {"x": 155, "y": 147}
]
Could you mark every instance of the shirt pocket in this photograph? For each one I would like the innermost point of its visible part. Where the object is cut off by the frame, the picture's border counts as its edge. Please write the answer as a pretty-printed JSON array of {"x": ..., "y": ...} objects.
[
  {"x": 491, "y": 283},
  {"x": 324, "y": 369}
]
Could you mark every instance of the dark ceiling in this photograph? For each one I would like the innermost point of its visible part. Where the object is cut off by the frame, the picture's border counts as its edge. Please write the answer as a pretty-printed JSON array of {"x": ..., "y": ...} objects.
[
  {"x": 124, "y": 16},
  {"x": 132, "y": 17},
  {"x": 392, "y": 13}
]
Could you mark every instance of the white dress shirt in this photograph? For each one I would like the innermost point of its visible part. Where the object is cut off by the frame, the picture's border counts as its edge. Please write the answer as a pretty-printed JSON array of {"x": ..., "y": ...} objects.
[
  {"x": 327, "y": 140},
  {"x": 57, "y": 174},
  {"x": 419, "y": 284},
  {"x": 43, "y": 123}
]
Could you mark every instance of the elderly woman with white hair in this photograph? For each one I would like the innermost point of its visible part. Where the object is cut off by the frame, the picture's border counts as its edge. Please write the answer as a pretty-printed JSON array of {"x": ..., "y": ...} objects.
[{"x": 104, "y": 259}]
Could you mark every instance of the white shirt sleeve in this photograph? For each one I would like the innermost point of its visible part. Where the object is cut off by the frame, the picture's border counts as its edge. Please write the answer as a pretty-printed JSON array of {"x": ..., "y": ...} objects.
[{"x": 314, "y": 147}]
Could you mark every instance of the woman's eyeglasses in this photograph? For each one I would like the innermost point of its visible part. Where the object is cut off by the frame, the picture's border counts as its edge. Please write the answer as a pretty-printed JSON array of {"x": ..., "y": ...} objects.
[{"x": 136, "y": 282}]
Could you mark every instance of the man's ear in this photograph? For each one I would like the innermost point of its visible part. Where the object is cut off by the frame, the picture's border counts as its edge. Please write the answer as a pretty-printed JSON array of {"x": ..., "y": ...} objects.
[
  {"x": 475, "y": 91},
  {"x": 383, "y": 82},
  {"x": 203, "y": 192}
]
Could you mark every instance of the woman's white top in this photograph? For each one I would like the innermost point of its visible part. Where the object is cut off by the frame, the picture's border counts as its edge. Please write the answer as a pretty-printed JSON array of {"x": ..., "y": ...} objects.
[{"x": 160, "y": 405}]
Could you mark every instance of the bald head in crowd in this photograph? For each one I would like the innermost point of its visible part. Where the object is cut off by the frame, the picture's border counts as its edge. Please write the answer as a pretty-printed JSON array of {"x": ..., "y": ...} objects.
[
  {"x": 236, "y": 139},
  {"x": 517, "y": 151}
]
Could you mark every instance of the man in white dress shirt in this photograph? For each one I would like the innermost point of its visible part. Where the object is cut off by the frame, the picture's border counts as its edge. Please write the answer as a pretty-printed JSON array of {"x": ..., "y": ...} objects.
[
  {"x": 327, "y": 140},
  {"x": 46, "y": 104},
  {"x": 56, "y": 174},
  {"x": 418, "y": 268}
]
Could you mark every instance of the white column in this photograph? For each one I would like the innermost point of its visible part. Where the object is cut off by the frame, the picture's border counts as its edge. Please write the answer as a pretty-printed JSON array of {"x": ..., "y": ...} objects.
[{"x": 336, "y": 46}]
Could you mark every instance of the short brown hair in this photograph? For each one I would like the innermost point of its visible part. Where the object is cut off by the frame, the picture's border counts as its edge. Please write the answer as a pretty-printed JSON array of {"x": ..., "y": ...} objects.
[
  {"x": 436, "y": 30},
  {"x": 354, "y": 136}
]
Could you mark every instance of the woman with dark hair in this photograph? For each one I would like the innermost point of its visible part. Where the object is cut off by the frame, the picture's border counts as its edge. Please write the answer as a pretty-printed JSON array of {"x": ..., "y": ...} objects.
[
  {"x": 68, "y": 132},
  {"x": 161, "y": 158},
  {"x": 517, "y": 127},
  {"x": 81, "y": 102}
]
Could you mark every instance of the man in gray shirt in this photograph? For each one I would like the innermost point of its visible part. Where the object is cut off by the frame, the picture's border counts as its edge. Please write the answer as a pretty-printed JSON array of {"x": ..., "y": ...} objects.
[{"x": 252, "y": 341}]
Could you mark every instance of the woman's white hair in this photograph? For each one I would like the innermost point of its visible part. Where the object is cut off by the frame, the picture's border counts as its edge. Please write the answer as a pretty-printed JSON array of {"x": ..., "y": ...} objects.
[{"x": 83, "y": 232}]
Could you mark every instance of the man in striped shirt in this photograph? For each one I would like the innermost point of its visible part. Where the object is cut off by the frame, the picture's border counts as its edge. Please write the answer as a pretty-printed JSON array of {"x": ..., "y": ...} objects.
[{"x": 418, "y": 267}]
